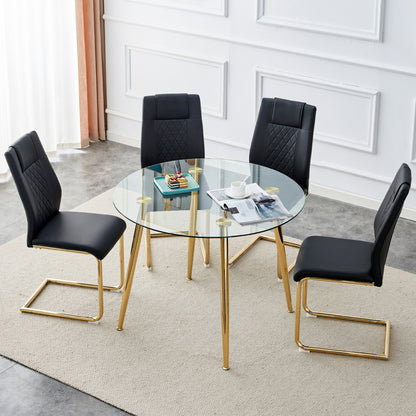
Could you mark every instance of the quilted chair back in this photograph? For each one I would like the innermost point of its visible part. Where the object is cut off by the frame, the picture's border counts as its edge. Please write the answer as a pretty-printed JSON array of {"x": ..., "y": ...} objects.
[
  {"x": 171, "y": 128},
  {"x": 282, "y": 138},
  {"x": 36, "y": 182},
  {"x": 386, "y": 219}
]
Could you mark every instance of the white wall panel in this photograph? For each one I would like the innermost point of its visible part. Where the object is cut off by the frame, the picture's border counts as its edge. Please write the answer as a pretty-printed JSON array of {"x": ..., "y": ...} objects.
[
  {"x": 352, "y": 18},
  {"x": 334, "y": 102},
  {"x": 413, "y": 155},
  {"x": 218, "y": 7},
  {"x": 354, "y": 60},
  {"x": 152, "y": 71}
]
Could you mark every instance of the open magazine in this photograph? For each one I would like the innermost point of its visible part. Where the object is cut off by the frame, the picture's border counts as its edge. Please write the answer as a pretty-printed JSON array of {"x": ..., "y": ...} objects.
[{"x": 259, "y": 206}]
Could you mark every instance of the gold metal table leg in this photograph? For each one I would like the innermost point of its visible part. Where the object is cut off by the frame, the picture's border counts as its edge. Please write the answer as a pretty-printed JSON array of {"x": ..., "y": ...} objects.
[
  {"x": 192, "y": 231},
  {"x": 225, "y": 307},
  {"x": 204, "y": 242},
  {"x": 223, "y": 223},
  {"x": 148, "y": 249},
  {"x": 138, "y": 231},
  {"x": 282, "y": 266},
  {"x": 279, "y": 268},
  {"x": 191, "y": 251},
  {"x": 207, "y": 252}
]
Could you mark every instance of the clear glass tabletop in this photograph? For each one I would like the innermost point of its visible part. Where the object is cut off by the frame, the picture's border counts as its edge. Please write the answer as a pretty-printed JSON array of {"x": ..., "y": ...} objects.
[{"x": 138, "y": 199}]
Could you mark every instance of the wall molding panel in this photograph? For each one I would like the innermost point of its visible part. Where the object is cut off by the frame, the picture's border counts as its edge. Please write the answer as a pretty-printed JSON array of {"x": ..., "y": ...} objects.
[
  {"x": 121, "y": 115},
  {"x": 210, "y": 138},
  {"x": 357, "y": 101},
  {"x": 314, "y": 188},
  {"x": 371, "y": 29},
  {"x": 413, "y": 137},
  {"x": 158, "y": 70},
  {"x": 356, "y": 172},
  {"x": 134, "y": 141},
  {"x": 352, "y": 59},
  {"x": 216, "y": 7},
  {"x": 227, "y": 142},
  {"x": 409, "y": 71}
]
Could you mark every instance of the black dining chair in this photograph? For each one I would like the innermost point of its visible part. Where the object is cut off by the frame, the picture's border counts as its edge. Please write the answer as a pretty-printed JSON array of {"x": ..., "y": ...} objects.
[
  {"x": 282, "y": 141},
  {"x": 358, "y": 262},
  {"x": 50, "y": 228},
  {"x": 172, "y": 130}
]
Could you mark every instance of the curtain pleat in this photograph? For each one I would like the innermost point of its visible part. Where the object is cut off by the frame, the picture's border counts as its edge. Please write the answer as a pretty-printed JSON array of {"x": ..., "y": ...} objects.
[{"x": 91, "y": 67}]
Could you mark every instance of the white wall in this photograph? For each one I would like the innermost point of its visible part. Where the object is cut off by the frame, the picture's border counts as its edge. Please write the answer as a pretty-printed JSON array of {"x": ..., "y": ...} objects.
[{"x": 354, "y": 59}]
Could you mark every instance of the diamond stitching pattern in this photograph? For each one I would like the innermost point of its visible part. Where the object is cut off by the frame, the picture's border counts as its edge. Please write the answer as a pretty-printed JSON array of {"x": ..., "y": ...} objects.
[
  {"x": 385, "y": 208},
  {"x": 39, "y": 188},
  {"x": 172, "y": 135},
  {"x": 281, "y": 145}
]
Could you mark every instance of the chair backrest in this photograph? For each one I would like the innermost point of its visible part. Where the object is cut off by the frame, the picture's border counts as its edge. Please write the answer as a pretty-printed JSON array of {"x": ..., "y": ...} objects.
[
  {"x": 386, "y": 219},
  {"x": 36, "y": 182},
  {"x": 171, "y": 128},
  {"x": 282, "y": 138}
]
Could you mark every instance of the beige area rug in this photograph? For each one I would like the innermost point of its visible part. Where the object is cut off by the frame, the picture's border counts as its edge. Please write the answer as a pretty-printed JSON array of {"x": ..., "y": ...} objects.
[{"x": 168, "y": 359}]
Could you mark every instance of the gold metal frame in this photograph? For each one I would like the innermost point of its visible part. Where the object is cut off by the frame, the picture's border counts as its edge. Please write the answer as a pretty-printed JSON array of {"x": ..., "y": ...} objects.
[
  {"x": 134, "y": 253},
  {"x": 303, "y": 296},
  {"x": 282, "y": 269},
  {"x": 26, "y": 307},
  {"x": 204, "y": 242},
  {"x": 223, "y": 223},
  {"x": 225, "y": 308},
  {"x": 266, "y": 238}
]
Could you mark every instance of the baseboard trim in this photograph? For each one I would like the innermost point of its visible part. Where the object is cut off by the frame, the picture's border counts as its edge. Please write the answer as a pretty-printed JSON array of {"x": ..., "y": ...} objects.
[
  {"x": 119, "y": 138},
  {"x": 354, "y": 199},
  {"x": 319, "y": 190}
]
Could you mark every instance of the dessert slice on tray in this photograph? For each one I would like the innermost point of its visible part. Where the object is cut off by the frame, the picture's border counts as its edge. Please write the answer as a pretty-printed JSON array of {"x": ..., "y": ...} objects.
[{"x": 176, "y": 180}]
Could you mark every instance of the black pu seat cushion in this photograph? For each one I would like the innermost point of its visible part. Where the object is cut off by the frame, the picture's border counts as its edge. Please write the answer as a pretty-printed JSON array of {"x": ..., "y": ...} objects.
[
  {"x": 334, "y": 258},
  {"x": 81, "y": 231}
]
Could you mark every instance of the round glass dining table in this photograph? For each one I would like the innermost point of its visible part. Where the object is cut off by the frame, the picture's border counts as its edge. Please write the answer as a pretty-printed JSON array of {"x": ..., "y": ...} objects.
[{"x": 196, "y": 215}]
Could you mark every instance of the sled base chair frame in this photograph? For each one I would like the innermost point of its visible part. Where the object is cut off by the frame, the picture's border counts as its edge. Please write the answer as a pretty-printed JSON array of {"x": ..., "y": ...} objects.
[{"x": 301, "y": 297}]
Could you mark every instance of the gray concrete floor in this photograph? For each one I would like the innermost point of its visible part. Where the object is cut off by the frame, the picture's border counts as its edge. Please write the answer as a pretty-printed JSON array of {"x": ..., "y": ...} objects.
[{"x": 87, "y": 173}]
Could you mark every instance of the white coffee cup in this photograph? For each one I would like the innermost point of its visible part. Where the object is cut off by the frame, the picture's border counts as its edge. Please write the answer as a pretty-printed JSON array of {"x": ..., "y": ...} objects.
[{"x": 238, "y": 189}]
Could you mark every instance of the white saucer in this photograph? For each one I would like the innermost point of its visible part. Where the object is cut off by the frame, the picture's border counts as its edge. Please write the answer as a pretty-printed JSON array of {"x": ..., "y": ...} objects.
[{"x": 229, "y": 194}]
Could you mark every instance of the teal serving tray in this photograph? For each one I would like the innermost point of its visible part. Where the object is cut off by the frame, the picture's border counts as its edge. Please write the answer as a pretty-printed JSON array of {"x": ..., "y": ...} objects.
[{"x": 168, "y": 192}]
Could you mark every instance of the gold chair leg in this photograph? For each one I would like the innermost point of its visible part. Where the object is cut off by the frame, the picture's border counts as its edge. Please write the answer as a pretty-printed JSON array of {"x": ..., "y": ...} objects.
[
  {"x": 121, "y": 250},
  {"x": 26, "y": 307},
  {"x": 302, "y": 298}
]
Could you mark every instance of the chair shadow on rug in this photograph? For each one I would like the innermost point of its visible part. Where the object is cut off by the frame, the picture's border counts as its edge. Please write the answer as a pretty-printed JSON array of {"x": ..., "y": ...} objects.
[
  {"x": 351, "y": 261},
  {"x": 50, "y": 228}
]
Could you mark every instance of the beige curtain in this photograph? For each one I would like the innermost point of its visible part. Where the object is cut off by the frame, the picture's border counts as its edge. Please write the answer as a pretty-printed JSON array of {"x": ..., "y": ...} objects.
[{"x": 91, "y": 67}]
